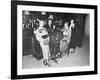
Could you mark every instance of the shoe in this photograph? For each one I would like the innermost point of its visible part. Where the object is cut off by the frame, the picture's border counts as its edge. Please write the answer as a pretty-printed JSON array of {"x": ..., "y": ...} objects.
[
  {"x": 46, "y": 63},
  {"x": 72, "y": 50},
  {"x": 55, "y": 60}
]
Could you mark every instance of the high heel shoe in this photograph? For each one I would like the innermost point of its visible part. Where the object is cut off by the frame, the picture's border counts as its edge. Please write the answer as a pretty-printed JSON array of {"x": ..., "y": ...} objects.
[
  {"x": 55, "y": 60},
  {"x": 45, "y": 62}
]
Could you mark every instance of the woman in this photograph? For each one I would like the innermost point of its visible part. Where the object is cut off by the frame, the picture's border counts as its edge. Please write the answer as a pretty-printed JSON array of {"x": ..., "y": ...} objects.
[
  {"x": 49, "y": 26},
  {"x": 72, "y": 44},
  {"x": 43, "y": 38},
  {"x": 66, "y": 38}
]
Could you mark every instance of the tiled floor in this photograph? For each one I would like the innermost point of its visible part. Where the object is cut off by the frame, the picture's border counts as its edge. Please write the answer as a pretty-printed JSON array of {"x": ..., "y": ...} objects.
[{"x": 79, "y": 58}]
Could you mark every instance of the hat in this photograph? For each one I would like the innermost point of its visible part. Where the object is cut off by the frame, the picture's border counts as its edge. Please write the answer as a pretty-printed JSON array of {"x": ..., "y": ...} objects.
[{"x": 50, "y": 17}]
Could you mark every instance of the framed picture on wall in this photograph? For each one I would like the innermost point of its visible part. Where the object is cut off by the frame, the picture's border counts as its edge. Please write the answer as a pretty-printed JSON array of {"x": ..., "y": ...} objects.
[{"x": 53, "y": 39}]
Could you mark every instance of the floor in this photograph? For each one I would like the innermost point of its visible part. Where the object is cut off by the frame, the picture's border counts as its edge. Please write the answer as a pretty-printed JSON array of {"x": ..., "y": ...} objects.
[{"x": 79, "y": 58}]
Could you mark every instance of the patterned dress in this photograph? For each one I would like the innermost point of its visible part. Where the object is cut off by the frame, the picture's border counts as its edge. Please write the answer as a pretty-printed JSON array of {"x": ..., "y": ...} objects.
[{"x": 65, "y": 40}]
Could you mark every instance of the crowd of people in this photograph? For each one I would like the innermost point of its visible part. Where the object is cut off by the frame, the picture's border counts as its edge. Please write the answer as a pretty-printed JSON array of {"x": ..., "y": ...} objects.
[{"x": 42, "y": 29}]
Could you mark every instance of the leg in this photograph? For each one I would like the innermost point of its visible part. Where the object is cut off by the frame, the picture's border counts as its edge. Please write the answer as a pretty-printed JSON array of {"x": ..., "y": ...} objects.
[{"x": 46, "y": 54}]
